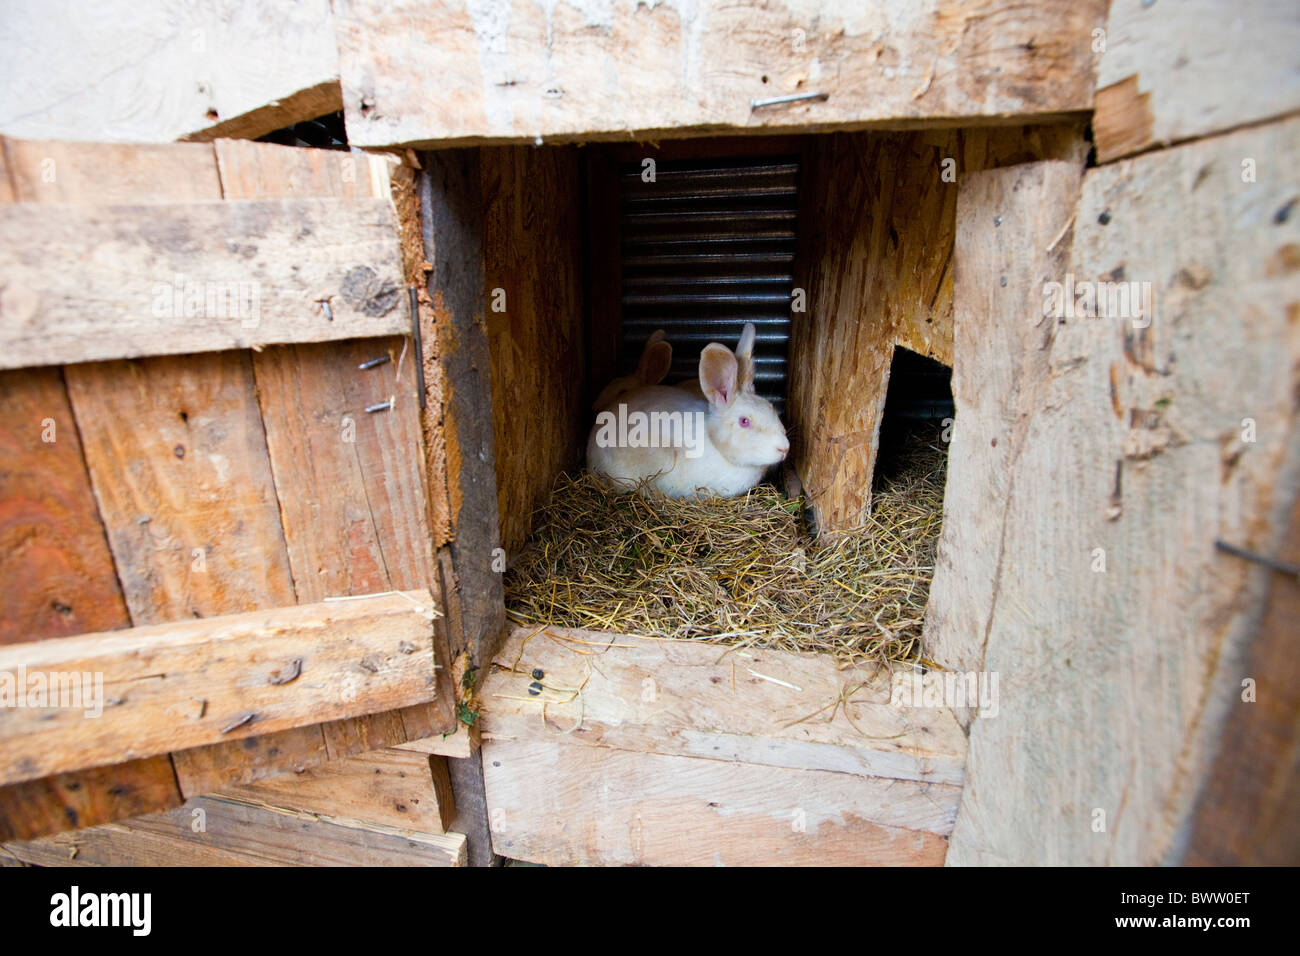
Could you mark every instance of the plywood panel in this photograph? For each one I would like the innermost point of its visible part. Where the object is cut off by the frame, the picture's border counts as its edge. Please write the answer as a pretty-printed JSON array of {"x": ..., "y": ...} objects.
[
  {"x": 877, "y": 223},
  {"x": 616, "y": 70},
  {"x": 533, "y": 256}
]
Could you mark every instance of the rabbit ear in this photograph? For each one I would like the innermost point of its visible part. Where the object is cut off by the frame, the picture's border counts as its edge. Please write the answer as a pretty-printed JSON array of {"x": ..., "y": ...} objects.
[
  {"x": 718, "y": 370},
  {"x": 745, "y": 357},
  {"x": 656, "y": 360}
]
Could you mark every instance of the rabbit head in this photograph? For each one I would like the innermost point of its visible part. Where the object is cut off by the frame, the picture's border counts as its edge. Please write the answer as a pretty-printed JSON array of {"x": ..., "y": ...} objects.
[{"x": 742, "y": 426}]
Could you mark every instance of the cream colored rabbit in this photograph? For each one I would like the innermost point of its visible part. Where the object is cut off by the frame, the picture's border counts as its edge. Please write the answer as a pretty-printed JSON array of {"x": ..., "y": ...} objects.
[
  {"x": 656, "y": 360},
  {"x": 684, "y": 444}
]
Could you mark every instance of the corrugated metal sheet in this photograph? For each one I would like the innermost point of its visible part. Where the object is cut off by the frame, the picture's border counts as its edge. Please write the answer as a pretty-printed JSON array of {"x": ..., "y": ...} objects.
[{"x": 707, "y": 247}]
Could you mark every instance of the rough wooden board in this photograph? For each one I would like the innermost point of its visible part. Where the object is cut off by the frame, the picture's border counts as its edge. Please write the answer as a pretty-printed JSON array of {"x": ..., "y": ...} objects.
[
  {"x": 236, "y": 834},
  {"x": 1245, "y": 815},
  {"x": 532, "y": 241},
  {"x": 192, "y": 521},
  {"x": 54, "y": 560},
  {"x": 565, "y": 804},
  {"x": 368, "y": 533},
  {"x": 877, "y": 223},
  {"x": 194, "y": 277},
  {"x": 165, "y": 175},
  {"x": 1175, "y": 71},
  {"x": 133, "y": 73},
  {"x": 699, "y": 700},
  {"x": 1006, "y": 220},
  {"x": 84, "y": 798},
  {"x": 104, "y": 173},
  {"x": 388, "y": 787},
  {"x": 191, "y": 683},
  {"x": 1116, "y": 686},
  {"x": 251, "y": 170},
  {"x": 616, "y": 69},
  {"x": 462, "y": 743}
]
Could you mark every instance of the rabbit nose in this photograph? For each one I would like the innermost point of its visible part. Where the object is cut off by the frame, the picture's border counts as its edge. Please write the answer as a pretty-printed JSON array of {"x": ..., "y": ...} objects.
[{"x": 783, "y": 449}]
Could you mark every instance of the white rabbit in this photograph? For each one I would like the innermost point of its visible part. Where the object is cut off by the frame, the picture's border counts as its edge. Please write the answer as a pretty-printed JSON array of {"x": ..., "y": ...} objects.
[
  {"x": 684, "y": 444},
  {"x": 656, "y": 360}
]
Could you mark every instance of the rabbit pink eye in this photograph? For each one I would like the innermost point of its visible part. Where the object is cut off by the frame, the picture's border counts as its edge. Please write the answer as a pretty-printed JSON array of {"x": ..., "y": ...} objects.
[{"x": 744, "y": 421}]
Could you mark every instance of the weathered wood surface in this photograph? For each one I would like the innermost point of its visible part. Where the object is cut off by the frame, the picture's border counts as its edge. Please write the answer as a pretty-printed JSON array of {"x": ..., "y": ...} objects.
[
  {"x": 72, "y": 173},
  {"x": 194, "y": 277},
  {"x": 1245, "y": 815},
  {"x": 147, "y": 73},
  {"x": 750, "y": 706},
  {"x": 878, "y": 215},
  {"x": 1116, "y": 685},
  {"x": 235, "y": 834},
  {"x": 1006, "y": 220},
  {"x": 144, "y": 691},
  {"x": 388, "y": 787},
  {"x": 1175, "y": 71},
  {"x": 616, "y": 69},
  {"x": 193, "y": 521},
  {"x": 532, "y": 241},
  {"x": 461, "y": 743},
  {"x": 54, "y": 561},
  {"x": 368, "y": 533},
  {"x": 567, "y": 804}
]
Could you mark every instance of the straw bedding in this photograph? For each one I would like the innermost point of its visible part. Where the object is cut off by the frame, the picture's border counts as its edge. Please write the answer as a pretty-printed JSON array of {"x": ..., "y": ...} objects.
[{"x": 739, "y": 570}]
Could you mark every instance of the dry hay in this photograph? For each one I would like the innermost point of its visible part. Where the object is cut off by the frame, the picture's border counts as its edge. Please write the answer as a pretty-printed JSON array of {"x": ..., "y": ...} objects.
[{"x": 736, "y": 570}]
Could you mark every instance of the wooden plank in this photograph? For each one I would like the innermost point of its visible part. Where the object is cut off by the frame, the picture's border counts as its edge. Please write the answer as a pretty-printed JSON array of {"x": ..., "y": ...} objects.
[
  {"x": 107, "y": 173},
  {"x": 462, "y": 743},
  {"x": 54, "y": 561},
  {"x": 1179, "y": 71},
  {"x": 387, "y": 787},
  {"x": 84, "y": 798},
  {"x": 194, "y": 277},
  {"x": 235, "y": 834},
  {"x": 142, "y": 74},
  {"x": 1137, "y": 444},
  {"x": 370, "y": 532},
  {"x": 1005, "y": 224},
  {"x": 161, "y": 687},
  {"x": 566, "y": 804},
  {"x": 193, "y": 521},
  {"x": 517, "y": 71},
  {"x": 1245, "y": 815},
  {"x": 52, "y": 172},
  {"x": 536, "y": 336},
  {"x": 766, "y": 707}
]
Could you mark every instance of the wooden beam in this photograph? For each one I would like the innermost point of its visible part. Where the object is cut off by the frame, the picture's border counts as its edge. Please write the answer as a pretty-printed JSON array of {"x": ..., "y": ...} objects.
[
  {"x": 1173, "y": 72},
  {"x": 1141, "y": 438},
  {"x": 194, "y": 277},
  {"x": 462, "y": 743},
  {"x": 148, "y": 690},
  {"x": 211, "y": 832},
  {"x": 518, "y": 72},
  {"x": 386, "y": 787},
  {"x": 744, "y": 705},
  {"x": 142, "y": 74},
  {"x": 565, "y": 804}
]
